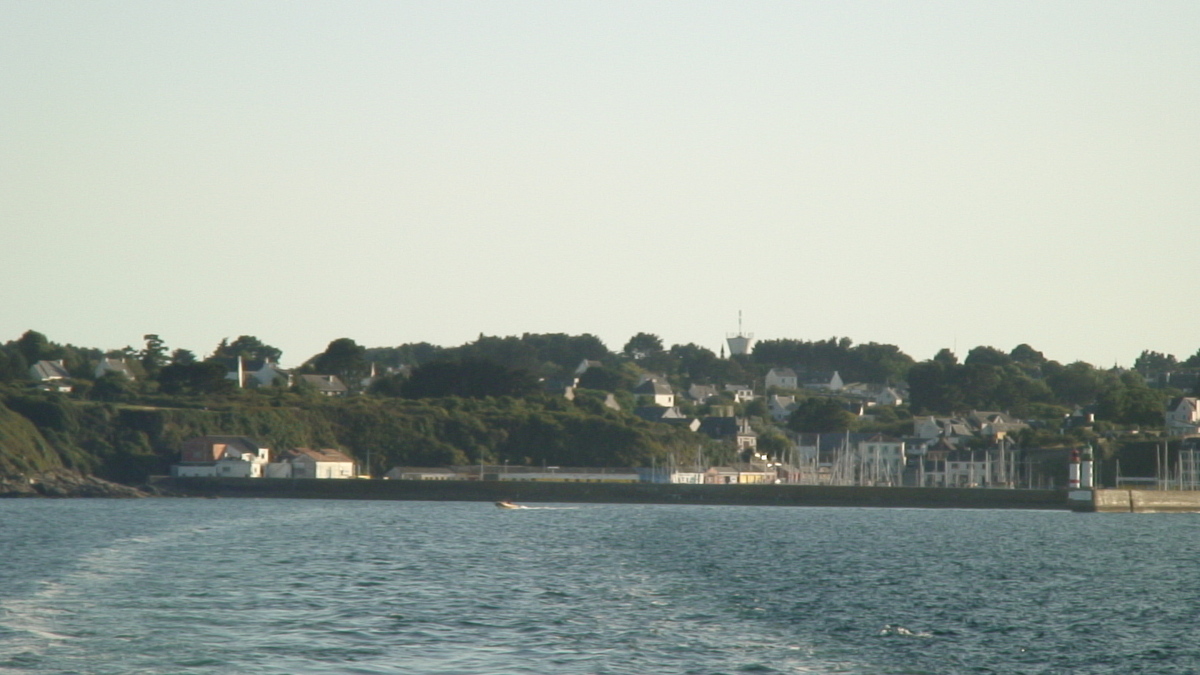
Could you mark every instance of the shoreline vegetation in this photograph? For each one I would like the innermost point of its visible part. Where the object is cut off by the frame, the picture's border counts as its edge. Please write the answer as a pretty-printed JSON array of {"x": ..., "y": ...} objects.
[{"x": 87, "y": 422}]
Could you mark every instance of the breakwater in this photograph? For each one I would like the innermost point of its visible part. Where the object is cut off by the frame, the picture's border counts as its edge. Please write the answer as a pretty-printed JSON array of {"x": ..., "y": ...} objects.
[
  {"x": 619, "y": 493},
  {"x": 1135, "y": 501}
]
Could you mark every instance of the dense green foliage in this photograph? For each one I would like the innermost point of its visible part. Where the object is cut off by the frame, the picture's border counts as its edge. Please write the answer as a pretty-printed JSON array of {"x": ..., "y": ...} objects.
[
  {"x": 855, "y": 363},
  {"x": 471, "y": 378},
  {"x": 22, "y": 448},
  {"x": 128, "y": 442},
  {"x": 485, "y": 401}
]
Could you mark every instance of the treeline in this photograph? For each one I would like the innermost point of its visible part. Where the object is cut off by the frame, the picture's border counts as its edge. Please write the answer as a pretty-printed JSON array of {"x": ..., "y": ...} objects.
[
  {"x": 489, "y": 400},
  {"x": 1027, "y": 384},
  {"x": 127, "y": 443}
]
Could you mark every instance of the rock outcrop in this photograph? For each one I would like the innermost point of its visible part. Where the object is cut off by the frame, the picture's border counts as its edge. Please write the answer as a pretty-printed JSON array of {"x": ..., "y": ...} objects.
[{"x": 64, "y": 483}]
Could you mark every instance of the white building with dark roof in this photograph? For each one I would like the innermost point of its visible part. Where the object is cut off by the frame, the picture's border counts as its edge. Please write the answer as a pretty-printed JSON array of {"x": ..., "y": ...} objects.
[
  {"x": 51, "y": 376},
  {"x": 312, "y": 463},
  {"x": 658, "y": 391},
  {"x": 326, "y": 385},
  {"x": 783, "y": 378},
  {"x": 119, "y": 366}
]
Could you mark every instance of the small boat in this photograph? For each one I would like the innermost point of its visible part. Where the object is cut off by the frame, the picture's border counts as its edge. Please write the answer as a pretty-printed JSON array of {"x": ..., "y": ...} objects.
[{"x": 505, "y": 504}]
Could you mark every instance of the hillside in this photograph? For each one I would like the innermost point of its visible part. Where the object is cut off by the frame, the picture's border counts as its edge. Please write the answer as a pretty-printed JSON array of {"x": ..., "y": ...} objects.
[{"x": 127, "y": 443}]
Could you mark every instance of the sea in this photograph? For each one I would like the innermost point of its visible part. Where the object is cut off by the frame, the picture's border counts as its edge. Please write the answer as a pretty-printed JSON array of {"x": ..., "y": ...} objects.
[{"x": 292, "y": 587}]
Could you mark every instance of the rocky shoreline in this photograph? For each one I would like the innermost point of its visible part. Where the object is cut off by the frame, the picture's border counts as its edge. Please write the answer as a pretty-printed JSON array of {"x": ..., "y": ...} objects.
[{"x": 63, "y": 484}]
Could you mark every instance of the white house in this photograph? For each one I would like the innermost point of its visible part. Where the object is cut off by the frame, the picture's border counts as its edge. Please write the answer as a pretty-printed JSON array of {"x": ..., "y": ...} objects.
[
  {"x": 953, "y": 429},
  {"x": 259, "y": 373},
  {"x": 49, "y": 370},
  {"x": 1183, "y": 416},
  {"x": 658, "y": 391},
  {"x": 326, "y": 385},
  {"x": 310, "y": 463},
  {"x": 244, "y": 466},
  {"x": 51, "y": 376},
  {"x": 742, "y": 393},
  {"x": 784, "y": 378},
  {"x": 968, "y": 468},
  {"x": 889, "y": 396},
  {"x": 118, "y": 366},
  {"x": 226, "y": 456},
  {"x": 881, "y": 460},
  {"x": 833, "y": 383},
  {"x": 781, "y": 407}
]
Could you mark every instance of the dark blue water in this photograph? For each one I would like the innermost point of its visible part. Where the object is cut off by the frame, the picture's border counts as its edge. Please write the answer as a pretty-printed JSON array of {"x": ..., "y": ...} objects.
[{"x": 292, "y": 587}]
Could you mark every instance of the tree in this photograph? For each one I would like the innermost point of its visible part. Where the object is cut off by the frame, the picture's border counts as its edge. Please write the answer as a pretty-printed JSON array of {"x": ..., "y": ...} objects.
[
  {"x": 154, "y": 355},
  {"x": 111, "y": 387},
  {"x": 1076, "y": 384},
  {"x": 183, "y": 356},
  {"x": 946, "y": 357},
  {"x": 388, "y": 385},
  {"x": 773, "y": 444},
  {"x": 1131, "y": 402},
  {"x": 1193, "y": 361},
  {"x": 9, "y": 369},
  {"x": 412, "y": 354},
  {"x": 757, "y": 408},
  {"x": 1024, "y": 354},
  {"x": 1154, "y": 365},
  {"x": 471, "y": 378},
  {"x": 1028, "y": 359},
  {"x": 874, "y": 362},
  {"x": 34, "y": 347},
  {"x": 249, "y": 348},
  {"x": 207, "y": 377},
  {"x": 565, "y": 351},
  {"x": 642, "y": 345},
  {"x": 821, "y": 415},
  {"x": 987, "y": 356},
  {"x": 344, "y": 358},
  {"x": 932, "y": 388},
  {"x": 607, "y": 379}
]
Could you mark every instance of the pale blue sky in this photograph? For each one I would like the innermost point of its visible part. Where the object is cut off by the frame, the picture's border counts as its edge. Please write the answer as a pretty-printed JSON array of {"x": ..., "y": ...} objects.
[{"x": 924, "y": 174}]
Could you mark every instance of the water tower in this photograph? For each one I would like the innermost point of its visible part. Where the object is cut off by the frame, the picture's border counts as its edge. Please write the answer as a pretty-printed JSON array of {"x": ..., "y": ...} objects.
[{"x": 741, "y": 343}]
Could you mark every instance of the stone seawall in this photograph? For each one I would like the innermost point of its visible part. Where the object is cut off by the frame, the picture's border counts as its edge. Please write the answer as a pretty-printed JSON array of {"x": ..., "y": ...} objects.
[
  {"x": 620, "y": 493},
  {"x": 1138, "y": 501}
]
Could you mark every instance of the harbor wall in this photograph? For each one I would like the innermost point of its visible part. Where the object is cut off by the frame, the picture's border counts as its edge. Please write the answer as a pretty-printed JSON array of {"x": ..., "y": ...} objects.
[
  {"x": 619, "y": 493},
  {"x": 1138, "y": 501}
]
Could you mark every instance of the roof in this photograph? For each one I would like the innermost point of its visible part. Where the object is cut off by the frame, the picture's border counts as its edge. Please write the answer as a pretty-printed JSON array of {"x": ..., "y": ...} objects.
[
  {"x": 1189, "y": 401},
  {"x": 218, "y": 439},
  {"x": 108, "y": 365},
  {"x": 318, "y": 455},
  {"x": 49, "y": 370},
  {"x": 725, "y": 427},
  {"x": 654, "y": 387},
  {"x": 330, "y": 383}
]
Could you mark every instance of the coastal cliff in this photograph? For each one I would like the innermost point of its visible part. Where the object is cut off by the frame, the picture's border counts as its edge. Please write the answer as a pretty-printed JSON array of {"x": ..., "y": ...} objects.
[{"x": 65, "y": 483}]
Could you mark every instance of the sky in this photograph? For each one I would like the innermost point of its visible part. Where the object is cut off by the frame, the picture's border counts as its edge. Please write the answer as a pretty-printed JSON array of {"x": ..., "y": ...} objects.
[{"x": 923, "y": 174}]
